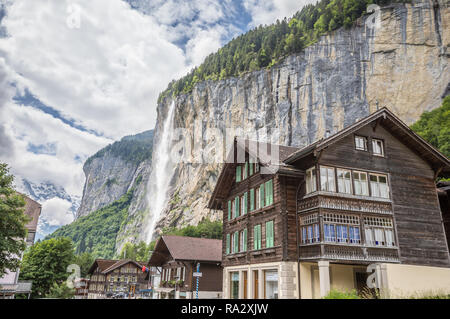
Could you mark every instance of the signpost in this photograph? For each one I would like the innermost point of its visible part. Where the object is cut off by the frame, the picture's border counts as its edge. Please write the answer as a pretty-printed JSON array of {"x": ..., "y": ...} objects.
[{"x": 197, "y": 274}]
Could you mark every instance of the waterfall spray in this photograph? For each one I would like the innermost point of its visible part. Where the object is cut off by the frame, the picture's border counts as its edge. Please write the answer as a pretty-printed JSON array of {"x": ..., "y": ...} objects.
[{"x": 162, "y": 172}]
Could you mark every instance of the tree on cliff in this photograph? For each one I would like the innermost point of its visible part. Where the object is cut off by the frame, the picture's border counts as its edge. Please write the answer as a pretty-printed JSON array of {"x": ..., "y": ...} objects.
[
  {"x": 434, "y": 127},
  {"x": 12, "y": 223}
]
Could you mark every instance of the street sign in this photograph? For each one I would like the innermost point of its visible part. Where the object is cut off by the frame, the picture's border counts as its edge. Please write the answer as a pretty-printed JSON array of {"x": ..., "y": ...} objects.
[{"x": 197, "y": 274}]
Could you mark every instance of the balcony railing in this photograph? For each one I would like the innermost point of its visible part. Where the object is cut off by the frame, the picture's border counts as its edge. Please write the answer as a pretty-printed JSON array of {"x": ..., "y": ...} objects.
[
  {"x": 349, "y": 253},
  {"x": 345, "y": 202}
]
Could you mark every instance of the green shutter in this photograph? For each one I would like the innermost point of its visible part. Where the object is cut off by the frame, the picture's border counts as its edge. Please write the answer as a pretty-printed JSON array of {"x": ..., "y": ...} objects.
[
  {"x": 245, "y": 203},
  {"x": 238, "y": 173},
  {"x": 236, "y": 242},
  {"x": 229, "y": 209},
  {"x": 261, "y": 196},
  {"x": 228, "y": 244},
  {"x": 251, "y": 166},
  {"x": 252, "y": 199},
  {"x": 246, "y": 170},
  {"x": 269, "y": 234},
  {"x": 236, "y": 207},
  {"x": 245, "y": 239},
  {"x": 269, "y": 192}
]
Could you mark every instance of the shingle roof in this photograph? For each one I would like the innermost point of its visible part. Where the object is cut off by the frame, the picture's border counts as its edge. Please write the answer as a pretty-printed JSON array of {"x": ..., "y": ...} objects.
[
  {"x": 107, "y": 265},
  {"x": 192, "y": 249}
]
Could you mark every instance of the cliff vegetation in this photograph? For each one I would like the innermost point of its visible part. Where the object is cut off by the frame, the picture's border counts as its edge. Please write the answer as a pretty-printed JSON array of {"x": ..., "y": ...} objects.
[{"x": 264, "y": 46}]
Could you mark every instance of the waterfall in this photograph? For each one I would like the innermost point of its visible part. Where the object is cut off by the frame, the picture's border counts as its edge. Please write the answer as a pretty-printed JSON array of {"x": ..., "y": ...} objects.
[{"x": 161, "y": 174}]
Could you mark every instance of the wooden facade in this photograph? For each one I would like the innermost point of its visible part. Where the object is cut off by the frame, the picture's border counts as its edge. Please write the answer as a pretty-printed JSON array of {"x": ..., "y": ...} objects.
[
  {"x": 177, "y": 257},
  {"x": 397, "y": 219},
  {"x": 109, "y": 278}
]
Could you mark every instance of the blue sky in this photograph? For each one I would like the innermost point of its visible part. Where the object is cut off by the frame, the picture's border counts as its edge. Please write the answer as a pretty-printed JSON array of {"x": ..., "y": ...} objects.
[{"x": 78, "y": 74}]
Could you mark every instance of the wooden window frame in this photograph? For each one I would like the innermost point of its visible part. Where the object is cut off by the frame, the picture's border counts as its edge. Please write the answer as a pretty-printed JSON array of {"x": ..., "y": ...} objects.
[
  {"x": 382, "y": 147},
  {"x": 334, "y": 178},
  {"x": 366, "y": 143}
]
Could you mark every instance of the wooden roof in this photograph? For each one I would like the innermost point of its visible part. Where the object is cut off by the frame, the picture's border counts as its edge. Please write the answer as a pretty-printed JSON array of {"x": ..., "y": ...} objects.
[
  {"x": 396, "y": 127},
  {"x": 108, "y": 265},
  {"x": 260, "y": 151},
  {"x": 179, "y": 248}
]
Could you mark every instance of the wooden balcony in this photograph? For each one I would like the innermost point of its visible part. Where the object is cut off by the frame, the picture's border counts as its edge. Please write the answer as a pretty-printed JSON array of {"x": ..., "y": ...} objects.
[
  {"x": 349, "y": 253},
  {"x": 345, "y": 202}
]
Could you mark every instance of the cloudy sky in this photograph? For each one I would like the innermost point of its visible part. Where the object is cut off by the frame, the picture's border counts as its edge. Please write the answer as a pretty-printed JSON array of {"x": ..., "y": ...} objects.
[{"x": 75, "y": 75}]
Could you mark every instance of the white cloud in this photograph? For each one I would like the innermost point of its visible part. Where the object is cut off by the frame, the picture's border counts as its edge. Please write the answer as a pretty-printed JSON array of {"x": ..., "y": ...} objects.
[
  {"x": 56, "y": 212},
  {"x": 105, "y": 75}
]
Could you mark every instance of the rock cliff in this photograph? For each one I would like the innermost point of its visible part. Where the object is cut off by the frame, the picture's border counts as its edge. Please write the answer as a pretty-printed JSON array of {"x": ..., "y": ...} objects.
[{"x": 402, "y": 64}]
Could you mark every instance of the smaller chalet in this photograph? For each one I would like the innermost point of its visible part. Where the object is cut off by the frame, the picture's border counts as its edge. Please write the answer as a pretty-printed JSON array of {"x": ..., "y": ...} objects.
[
  {"x": 116, "y": 279},
  {"x": 181, "y": 260}
]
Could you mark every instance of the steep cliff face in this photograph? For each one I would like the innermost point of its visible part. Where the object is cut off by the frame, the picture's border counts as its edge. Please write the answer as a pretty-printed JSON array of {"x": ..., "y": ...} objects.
[
  {"x": 114, "y": 170},
  {"x": 402, "y": 64}
]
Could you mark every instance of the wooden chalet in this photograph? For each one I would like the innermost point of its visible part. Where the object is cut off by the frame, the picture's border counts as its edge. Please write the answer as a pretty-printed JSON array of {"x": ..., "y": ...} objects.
[
  {"x": 178, "y": 257},
  {"x": 116, "y": 279},
  {"x": 314, "y": 219}
]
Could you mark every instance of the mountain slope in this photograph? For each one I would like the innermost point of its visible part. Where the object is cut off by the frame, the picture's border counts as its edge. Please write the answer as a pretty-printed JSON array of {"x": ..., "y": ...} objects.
[{"x": 113, "y": 170}]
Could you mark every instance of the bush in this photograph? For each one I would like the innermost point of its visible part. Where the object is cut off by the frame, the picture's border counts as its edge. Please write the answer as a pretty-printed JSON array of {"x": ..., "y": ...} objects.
[{"x": 336, "y": 294}]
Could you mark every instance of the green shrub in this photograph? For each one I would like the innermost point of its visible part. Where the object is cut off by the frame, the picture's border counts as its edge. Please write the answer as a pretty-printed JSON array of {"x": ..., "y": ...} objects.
[{"x": 336, "y": 294}]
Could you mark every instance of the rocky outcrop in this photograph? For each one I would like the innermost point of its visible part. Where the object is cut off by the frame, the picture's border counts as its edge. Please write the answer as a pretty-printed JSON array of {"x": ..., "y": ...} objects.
[{"x": 402, "y": 65}]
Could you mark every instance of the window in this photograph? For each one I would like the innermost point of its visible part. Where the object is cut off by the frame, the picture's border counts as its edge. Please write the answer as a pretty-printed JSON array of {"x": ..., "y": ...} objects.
[
  {"x": 361, "y": 143},
  {"x": 229, "y": 209},
  {"x": 257, "y": 237},
  {"x": 261, "y": 196},
  {"x": 228, "y": 244},
  {"x": 243, "y": 205},
  {"x": 379, "y": 231},
  {"x": 252, "y": 199},
  {"x": 310, "y": 229},
  {"x": 236, "y": 207},
  {"x": 251, "y": 166},
  {"x": 311, "y": 185},
  {"x": 270, "y": 284},
  {"x": 269, "y": 192},
  {"x": 243, "y": 240},
  {"x": 361, "y": 184},
  {"x": 327, "y": 179},
  {"x": 234, "y": 285},
  {"x": 379, "y": 186},
  {"x": 269, "y": 234},
  {"x": 238, "y": 173},
  {"x": 341, "y": 228},
  {"x": 236, "y": 242},
  {"x": 377, "y": 147},
  {"x": 344, "y": 181}
]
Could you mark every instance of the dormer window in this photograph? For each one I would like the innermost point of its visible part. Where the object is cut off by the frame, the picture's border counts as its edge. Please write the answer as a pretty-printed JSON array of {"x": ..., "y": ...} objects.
[
  {"x": 377, "y": 147},
  {"x": 360, "y": 143}
]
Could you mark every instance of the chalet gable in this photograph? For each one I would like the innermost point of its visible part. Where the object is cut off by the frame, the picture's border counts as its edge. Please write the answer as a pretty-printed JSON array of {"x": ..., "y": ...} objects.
[{"x": 439, "y": 162}]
